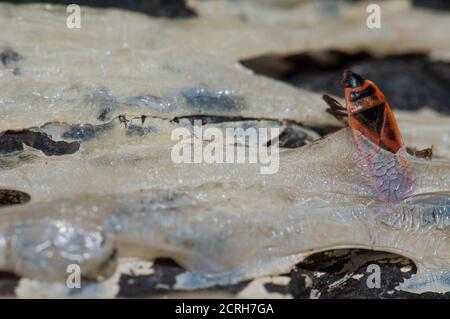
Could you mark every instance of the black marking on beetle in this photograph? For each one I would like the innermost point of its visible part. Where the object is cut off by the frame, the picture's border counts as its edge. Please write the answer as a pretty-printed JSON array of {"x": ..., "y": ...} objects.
[
  {"x": 368, "y": 91},
  {"x": 12, "y": 141},
  {"x": 10, "y": 59},
  {"x": 372, "y": 118},
  {"x": 390, "y": 133},
  {"x": 204, "y": 100},
  {"x": 13, "y": 197}
]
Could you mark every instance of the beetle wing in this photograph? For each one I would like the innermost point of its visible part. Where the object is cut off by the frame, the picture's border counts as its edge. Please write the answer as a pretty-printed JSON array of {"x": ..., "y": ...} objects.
[
  {"x": 390, "y": 133},
  {"x": 390, "y": 174}
]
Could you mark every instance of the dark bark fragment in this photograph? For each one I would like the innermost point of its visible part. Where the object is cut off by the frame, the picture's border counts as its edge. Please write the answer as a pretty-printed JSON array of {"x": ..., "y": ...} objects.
[{"x": 12, "y": 141}]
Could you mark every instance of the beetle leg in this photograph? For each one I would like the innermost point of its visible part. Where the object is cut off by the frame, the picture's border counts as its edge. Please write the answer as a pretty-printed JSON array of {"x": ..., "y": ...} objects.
[
  {"x": 335, "y": 109},
  {"x": 337, "y": 113},
  {"x": 334, "y": 105},
  {"x": 426, "y": 153}
]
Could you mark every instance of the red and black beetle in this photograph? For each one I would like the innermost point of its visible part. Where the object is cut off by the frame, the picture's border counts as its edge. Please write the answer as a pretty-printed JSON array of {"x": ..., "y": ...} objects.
[{"x": 377, "y": 137}]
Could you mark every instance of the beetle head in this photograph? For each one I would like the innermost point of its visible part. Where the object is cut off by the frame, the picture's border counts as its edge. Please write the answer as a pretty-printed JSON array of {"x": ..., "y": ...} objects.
[{"x": 351, "y": 80}]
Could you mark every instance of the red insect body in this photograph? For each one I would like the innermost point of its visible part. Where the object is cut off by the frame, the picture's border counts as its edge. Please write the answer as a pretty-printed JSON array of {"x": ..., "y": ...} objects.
[{"x": 381, "y": 152}]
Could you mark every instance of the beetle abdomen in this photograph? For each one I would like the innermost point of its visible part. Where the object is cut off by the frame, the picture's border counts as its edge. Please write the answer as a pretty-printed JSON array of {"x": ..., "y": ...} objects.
[
  {"x": 390, "y": 174},
  {"x": 369, "y": 113}
]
